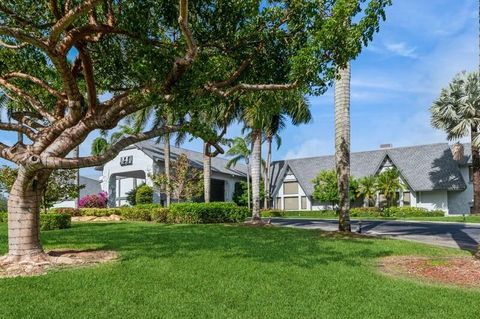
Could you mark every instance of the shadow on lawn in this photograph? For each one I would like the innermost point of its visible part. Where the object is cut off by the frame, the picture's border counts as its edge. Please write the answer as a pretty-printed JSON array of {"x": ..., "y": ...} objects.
[{"x": 267, "y": 245}]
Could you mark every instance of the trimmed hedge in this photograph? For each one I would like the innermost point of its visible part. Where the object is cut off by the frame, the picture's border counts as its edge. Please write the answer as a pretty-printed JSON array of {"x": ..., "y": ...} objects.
[
  {"x": 206, "y": 213},
  {"x": 361, "y": 212},
  {"x": 51, "y": 221}
]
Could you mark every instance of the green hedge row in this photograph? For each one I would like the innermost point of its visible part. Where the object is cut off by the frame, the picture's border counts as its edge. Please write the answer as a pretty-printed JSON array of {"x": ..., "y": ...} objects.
[
  {"x": 180, "y": 213},
  {"x": 48, "y": 221},
  {"x": 365, "y": 212}
]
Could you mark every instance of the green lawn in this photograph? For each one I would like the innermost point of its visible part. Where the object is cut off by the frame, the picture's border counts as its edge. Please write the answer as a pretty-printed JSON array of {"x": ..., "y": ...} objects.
[
  {"x": 216, "y": 271},
  {"x": 313, "y": 214}
]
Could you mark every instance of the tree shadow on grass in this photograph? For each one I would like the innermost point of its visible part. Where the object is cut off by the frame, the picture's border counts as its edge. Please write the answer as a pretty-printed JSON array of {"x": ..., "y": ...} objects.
[{"x": 266, "y": 245}]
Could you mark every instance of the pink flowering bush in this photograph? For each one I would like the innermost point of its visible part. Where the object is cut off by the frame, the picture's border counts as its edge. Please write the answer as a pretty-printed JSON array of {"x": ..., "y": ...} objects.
[{"x": 99, "y": 200}]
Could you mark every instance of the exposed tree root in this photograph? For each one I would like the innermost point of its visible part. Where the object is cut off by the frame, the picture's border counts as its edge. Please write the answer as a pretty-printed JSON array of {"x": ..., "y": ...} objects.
[{"x": 38, "y": 263}]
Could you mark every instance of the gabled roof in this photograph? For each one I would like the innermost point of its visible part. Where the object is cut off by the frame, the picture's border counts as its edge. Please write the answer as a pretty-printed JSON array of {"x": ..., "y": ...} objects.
[
  {"x": 424, "y": 167},
  {"x": 155, "y": 152}
]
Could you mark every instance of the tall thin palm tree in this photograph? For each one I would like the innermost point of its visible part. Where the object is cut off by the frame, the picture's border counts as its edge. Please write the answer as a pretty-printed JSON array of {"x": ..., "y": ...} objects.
[
  {"x": 241, "y": 152},
  {"x": 388, "y": 184},
  {"x": 342, "y": 146},
  {"x": 457, "y": 112}
]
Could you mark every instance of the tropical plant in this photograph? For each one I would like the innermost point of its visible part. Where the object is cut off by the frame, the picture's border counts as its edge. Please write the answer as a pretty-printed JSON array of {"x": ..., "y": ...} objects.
[
  {"x": 367, "y": 189},
  {"x": 389, "y": 183},
  {"x": 325, "y": 188},
  {"x": 457, "y": 112},
  {"x": 99, "y": 200},
  {"x": 241, "y": 195},
  {"x": 185, "y": 182},
  {"x": 57, "y": 58},
  {"x": 240, "y": 151},
  {"x": 144, "y": 195}
]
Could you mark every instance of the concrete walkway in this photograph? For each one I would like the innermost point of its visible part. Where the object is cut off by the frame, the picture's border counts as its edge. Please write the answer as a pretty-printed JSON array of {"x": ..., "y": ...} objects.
[{"x": 456, "y": 235}]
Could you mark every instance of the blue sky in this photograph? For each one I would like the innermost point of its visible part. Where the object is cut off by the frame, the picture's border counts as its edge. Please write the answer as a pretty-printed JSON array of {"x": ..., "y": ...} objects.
[{"x": 420, "y": 47}]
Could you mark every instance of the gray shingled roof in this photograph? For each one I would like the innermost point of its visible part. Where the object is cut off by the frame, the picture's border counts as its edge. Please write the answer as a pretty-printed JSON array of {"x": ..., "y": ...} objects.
[
  {"x": 155, "y": 151},
  {"x": 424, "y": 167}
]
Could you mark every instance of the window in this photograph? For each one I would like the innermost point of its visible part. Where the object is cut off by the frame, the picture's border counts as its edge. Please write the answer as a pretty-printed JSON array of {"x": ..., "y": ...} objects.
[
  {"x": 470, "y": 173},
  {"x": 304, "y": 202},
  {"x": 406, "y": 198},
  {"x": 278, "y": 204},
  {"x": 290, "y": 203},
  {"x": 290, "y": 188},
  {"x": 126, "y": 160}
]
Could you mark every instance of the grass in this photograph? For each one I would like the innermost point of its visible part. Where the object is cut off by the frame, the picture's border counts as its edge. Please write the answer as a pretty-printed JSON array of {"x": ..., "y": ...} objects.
[
  {"x": 316, "y": 215},
  {"x": 217, "y": 271}
]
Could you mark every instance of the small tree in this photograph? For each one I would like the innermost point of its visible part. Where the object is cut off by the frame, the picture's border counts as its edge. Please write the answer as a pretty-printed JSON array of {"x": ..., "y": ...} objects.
[
  {"x": 367, "y": 188},
  {"x": 185, "y": 183},
  {"x": 389, "y": 183},
  {"x": 144, "y": 195},
  {"x": 326, "y": 190}
]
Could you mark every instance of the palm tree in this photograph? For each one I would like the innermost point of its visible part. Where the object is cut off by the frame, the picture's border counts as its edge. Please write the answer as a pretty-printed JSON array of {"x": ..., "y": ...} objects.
[
  {"x": 240, "y": 151},
  {"x": 457, "y": 112},
  {"x": 367, "y": 188},
  {"x": 342, "y": 146},
  {"x": 389, "y": 183}
]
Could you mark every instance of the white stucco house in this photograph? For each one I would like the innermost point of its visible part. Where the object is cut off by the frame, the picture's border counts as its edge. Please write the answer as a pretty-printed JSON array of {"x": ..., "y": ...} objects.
[
  {"x": 134, "y": 165},
  {"x": 434, "y": 179}
]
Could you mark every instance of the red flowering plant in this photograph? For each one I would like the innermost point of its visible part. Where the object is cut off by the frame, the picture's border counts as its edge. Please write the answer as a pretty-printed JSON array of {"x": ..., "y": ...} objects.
[{"x": 99, "y": 200}]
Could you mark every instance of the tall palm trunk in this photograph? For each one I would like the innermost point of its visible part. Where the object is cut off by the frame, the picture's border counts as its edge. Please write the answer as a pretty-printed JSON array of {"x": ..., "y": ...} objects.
[
  {"x": 476, "y": 172},
  {"x": 267, "y": 173},
  {"x": 256, "y": 167},
  {"x": 24, "y": 203},
  {"x": 207, "y": 172},
  {"x": 166, "y": 156},
  {"x": 248, "y": 185},
  {"x": 342, "y": 146},
  {"x": 77, "y": 177}
]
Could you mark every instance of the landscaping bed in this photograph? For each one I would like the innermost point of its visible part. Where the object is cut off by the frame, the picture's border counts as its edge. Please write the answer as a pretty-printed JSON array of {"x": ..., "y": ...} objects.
[{"x": 459, "y": 271}]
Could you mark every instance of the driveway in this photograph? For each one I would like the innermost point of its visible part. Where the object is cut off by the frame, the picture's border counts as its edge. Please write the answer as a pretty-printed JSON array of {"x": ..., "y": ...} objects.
[{"x": 457, "y": 235}]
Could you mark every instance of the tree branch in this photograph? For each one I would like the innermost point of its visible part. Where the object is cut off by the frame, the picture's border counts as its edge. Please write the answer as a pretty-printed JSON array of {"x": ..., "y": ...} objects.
[
  {"x": 70, "y": 163},
  {"x": 251, "y": 88},
  {"x": 234, "y": 76},
  {"x": 12, "y": 46},
  {"x": 19, "y": 34},
  {"x": 18, "y": 128},
  {"x": 33, "y": 102},
  {"x": 89, "y": 76},
  {"x": 69, "y": 18},
  {"x": 37, "y": 81}
]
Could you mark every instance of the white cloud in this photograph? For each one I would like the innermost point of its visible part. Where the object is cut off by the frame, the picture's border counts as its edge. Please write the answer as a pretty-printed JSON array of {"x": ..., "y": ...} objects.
[
  {"x": 402, "y": 49},
  {"x": 310, "y": 148}
]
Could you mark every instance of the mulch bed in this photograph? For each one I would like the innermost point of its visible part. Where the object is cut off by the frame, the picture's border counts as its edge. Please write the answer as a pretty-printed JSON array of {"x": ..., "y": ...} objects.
[
  {"x": 61, "y": 258},
  {"x": 458, "y": 271}
]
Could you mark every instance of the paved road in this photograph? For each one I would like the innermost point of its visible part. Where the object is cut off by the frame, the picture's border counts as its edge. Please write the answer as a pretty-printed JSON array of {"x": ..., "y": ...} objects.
[{"x": 457, "y": 235}]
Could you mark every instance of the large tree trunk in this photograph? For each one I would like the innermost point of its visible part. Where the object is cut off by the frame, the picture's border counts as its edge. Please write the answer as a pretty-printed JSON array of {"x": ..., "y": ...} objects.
[
  {"x": 248, "y": 185},
  {"x": 342, "y": 146},
  {"x": 166, "y": 156},
  {"x": 256, "y": 167},
  {"x": 24, "y": 203},
  {"x": 207, "y": 172},
  {"x": 267, "y": 173},
  {"x": 476, "y": 172}
]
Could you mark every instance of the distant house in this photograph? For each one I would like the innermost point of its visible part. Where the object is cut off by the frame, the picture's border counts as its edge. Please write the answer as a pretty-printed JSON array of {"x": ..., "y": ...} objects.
[
  {"x": 133, "y": 166},
  {"x": 434, "y": 179},
  {"x": 91, "y": 186}
]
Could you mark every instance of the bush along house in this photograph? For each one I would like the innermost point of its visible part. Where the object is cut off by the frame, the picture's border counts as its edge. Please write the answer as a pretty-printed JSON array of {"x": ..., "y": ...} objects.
[{"x": 436, "y": 177}]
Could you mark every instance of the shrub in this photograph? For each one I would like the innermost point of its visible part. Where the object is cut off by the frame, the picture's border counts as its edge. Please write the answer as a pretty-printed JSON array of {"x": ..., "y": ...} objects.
[
  {"x": 99, "y": 212},
  {"x": 157, "y": 212},
  {"x": 411, "y": 212},
  {"x": 136, "y": 213},
  {"x": 3, "y": 217},
  {"x": 66, "y": 210},
  {"x": 365, "y": 212},
  {"x": 99, "y": 200},
  {"x": 49, "y": 221},
  {"x": 205, "y": 213},
  {"x": 144, "y": 195}
]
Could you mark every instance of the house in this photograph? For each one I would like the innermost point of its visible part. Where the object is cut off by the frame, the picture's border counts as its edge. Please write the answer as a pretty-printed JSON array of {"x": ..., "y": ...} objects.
[
  {"x": 91, "y": 186},
  {"x": 134, "y": 165},
  {"x": 434, "y": 177}
]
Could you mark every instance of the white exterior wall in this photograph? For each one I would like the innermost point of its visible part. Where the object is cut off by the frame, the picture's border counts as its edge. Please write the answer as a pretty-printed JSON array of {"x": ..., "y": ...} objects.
[
  {"x": 301, "y": 193},
  {"x": 433, "y": 200}
]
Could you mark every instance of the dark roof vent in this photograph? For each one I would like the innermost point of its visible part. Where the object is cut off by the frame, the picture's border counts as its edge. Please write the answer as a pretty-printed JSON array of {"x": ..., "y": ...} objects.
[{"x": 382, "y": 146}]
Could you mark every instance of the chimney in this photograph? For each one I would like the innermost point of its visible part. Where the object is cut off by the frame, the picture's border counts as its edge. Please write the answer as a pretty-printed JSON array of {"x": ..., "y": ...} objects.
[
  {"x": 458, "y": 151},
  {"x": 383, "y": 146}
]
